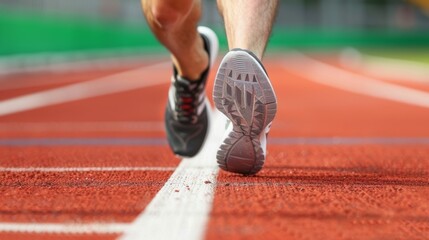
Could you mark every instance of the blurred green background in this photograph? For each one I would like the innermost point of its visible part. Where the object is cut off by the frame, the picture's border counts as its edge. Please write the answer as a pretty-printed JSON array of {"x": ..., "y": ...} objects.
[{"x": 40, "y": 26}]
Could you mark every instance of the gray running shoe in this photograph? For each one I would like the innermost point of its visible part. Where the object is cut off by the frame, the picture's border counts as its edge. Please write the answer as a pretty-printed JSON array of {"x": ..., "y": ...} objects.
[
  {"x": 186, "y": 115},
  {"x": 243, "y": 92}
]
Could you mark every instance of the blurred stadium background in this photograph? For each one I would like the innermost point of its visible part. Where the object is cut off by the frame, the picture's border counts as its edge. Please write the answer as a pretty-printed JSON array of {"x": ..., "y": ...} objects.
[{"x": 98, "y": 28}]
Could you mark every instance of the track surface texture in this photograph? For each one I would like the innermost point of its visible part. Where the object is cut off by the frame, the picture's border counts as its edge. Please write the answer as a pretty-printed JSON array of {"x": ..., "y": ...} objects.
[{"x": 342, "y": 163}]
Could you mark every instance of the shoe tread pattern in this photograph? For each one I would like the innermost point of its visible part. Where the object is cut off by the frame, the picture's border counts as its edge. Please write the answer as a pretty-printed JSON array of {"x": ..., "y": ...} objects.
[{"x": 243, "y": 93}]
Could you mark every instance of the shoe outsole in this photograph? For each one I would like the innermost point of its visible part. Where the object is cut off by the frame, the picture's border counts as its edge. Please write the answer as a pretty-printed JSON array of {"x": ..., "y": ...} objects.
[{"x": 243, "y": 92}]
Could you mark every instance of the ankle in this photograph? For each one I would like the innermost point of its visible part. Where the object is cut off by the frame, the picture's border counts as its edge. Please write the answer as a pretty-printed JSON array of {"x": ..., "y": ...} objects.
[{"x": 195, "y": 64}]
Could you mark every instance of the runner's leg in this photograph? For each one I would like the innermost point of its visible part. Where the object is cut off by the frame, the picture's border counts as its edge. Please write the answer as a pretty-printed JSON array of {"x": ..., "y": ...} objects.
[{"x": 174, "y": 23}]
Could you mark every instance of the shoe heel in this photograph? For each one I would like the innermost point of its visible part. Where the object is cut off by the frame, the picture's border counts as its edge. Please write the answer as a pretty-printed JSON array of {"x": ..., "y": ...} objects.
[{"x": 240, "y": 153}]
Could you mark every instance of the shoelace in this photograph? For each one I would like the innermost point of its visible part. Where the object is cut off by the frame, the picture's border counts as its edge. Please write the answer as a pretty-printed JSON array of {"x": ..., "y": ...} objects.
[{"x": 187, "y": 96}]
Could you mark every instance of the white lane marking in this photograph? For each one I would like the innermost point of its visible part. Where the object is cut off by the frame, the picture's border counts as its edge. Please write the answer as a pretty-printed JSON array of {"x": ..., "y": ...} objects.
[
  {"x": 65, "y": 228},
  {"x": 396, "y": 69},
  {"x": 10, "y": 83},
  {"x": 143, "y": 126},
  {"x": 121, "y": 82},
  {"x": 62, "y": 62},
  {"x": 329, "y": 75},
  {"x": 84, "y": 169},
  {"x": 389, "y": 69},
  {"x": 181, "y": 208}
]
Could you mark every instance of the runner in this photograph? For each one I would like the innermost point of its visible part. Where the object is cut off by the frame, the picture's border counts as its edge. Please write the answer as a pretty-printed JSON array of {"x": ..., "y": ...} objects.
[{"x": 242, "y": 89}]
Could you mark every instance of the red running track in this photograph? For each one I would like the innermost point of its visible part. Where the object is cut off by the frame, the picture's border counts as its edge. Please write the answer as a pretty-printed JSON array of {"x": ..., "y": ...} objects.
[{"x": 309, "y": 189}]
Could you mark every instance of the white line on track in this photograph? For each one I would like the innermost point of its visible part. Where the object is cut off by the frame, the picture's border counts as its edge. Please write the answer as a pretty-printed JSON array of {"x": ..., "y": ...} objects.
[
  {"x": 181, "y": 208},
  {"x": 329, "y": 75},
  {"x": 64, "y": 62},
  {"x": 84, "y": 169},
  {"x": 81, "y": 126},
  {"x": 121, "y": 82},
  {"x": 396, "y": 69},
  {"x": 65, "y": 228}
]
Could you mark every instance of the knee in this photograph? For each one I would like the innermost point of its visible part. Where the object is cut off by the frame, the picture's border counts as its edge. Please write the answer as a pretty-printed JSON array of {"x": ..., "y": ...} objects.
[{"x": 167, "y": 16}]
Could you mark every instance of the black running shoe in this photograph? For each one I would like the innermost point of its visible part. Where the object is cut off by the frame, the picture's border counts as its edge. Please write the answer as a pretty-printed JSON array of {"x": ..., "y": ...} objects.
[{"x": 186, "y": 115}]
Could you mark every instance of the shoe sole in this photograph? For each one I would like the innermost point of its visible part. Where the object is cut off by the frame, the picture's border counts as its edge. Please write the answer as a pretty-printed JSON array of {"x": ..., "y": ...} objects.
[{"x": 243, "y": 93}]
